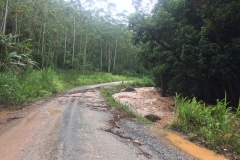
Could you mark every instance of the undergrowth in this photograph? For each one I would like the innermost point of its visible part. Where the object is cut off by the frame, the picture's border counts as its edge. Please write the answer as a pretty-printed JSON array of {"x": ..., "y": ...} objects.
[
  {"x": 34, "y": 84},
  {"x": 73, "y": 78},
  {"x": 217, "y": 127}
]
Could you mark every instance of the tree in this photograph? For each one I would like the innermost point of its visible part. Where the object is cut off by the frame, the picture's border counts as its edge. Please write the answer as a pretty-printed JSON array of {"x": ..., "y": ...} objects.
[
  {"x": 4, "y": 21},
  {"x": 200, "y": 43}
]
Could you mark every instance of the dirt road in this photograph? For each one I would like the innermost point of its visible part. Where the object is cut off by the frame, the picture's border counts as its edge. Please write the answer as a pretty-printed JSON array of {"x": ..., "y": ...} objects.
[{"x": 78, "y": 125}]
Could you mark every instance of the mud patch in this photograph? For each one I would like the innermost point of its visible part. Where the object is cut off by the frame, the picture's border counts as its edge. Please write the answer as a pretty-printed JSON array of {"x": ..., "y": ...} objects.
[
  {"x": 191, "y": 148},
  {"x": 54, "y": 111}
]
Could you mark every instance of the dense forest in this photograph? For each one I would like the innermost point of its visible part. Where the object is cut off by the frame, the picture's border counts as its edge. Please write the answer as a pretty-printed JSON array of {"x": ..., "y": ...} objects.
[
  {"x": 189, "y": 47},
  {"x": 65, "y": 35},
  {"x": 192, "y": 47}
]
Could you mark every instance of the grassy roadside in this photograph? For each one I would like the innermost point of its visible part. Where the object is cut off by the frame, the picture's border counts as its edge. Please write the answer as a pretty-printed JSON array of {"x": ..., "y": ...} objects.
[
  {"x": 214, "y": 127},
  {"x": 35, "y": 84}
]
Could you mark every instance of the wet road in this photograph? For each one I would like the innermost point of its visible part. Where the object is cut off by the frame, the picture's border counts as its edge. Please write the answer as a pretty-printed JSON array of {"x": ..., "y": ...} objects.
[{"x": 79, "y": 125}]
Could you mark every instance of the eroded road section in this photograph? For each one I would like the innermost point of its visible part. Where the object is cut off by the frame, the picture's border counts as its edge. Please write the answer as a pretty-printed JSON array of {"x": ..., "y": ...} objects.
[{"x": 79, "y": 125}]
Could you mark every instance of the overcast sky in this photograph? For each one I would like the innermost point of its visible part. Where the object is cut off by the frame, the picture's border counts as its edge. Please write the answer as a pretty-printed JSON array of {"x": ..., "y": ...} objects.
[
  {"x": 120, "y": 5},
  {"x": 123, "y": 5}
]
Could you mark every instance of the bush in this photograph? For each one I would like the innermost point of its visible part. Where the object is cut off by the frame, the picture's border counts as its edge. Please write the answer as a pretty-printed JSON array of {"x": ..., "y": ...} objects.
[
  {"x": 29, "y": 85},
  {"x": 8, "y": 86},
  {"x": 218, "y": 125}
]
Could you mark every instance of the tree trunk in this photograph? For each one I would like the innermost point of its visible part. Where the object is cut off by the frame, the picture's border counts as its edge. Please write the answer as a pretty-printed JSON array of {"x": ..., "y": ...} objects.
[
  {"x": 19, "y": 28},
  {"x": 109, "y": 59},
  {"x": 74, "y": 31},
  {"x": 43, "y": 46},
  {"x": 101, "y": 53},
  {"x": 80, "y": 50},
  {"x": 65, "y": 49},
  {"x": 4, "y": 23},
  {"x": 115, "y": 55},
  {"x": 16, "y": 22},
  {"x": 85, "y": 54},
  {"x": 39, "y": 40},
  {"x": 2, "y": 14}
]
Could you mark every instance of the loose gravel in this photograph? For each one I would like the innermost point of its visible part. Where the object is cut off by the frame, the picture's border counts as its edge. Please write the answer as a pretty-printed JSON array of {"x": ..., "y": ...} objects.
[{"x": 150, "y": 144}]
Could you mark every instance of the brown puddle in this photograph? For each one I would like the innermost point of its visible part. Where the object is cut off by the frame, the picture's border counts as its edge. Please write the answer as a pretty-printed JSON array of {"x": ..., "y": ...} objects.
[
  {"x": 54, "y": 111},
  {"x": 193, "y": 149}
]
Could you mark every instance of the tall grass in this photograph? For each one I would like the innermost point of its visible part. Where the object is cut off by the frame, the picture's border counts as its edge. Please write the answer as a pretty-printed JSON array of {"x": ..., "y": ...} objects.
[
  {"x": 217, "y": 125},
  {"x": 75, "y": 78},
  {"x": 34, "y": 84},
  {"x": 31, "y": 84}
]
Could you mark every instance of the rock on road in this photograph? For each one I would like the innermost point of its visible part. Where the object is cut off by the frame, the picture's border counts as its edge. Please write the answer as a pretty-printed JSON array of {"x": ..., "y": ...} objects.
[{"x": 79, "y": 125}]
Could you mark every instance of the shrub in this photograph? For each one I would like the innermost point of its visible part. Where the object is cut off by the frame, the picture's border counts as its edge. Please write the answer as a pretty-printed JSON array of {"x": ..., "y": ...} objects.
[{"x": 218, "y": 125}]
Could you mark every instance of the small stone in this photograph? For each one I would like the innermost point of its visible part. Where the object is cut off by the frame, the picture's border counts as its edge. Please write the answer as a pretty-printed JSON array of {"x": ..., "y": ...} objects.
[
  {"x": 152, "y": 117},
  {"x": 128, "y": 89},
  {"x": 137, "y": 142}
]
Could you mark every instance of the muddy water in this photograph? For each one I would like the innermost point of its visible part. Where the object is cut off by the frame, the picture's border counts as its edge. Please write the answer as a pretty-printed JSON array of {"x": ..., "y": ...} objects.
[
  {"x": 194, "y": 150},
  {"x": 54, "y": 111},
  {"x": 147, "y": 100}
]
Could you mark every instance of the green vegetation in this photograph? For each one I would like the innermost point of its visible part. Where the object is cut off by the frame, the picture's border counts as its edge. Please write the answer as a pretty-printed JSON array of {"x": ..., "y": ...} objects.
[
  {"x": 192, "y": 47},
  {"x": 32, "y": 84},
  {"x": 67, "y": 35},
  {"x": 216, "y": 127},
  {"x": 73, "y": 78},
  {"x": 80, "y": 44}
]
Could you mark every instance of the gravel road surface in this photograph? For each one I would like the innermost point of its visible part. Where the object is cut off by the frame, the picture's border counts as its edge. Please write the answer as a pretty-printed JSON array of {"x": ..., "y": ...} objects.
[{"x": 79, "y": 125}]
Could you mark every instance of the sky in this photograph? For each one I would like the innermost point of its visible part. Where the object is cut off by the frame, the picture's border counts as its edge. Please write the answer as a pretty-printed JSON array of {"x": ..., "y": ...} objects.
[
  {"x": 120, "y": 5},
  {"x": 123, "y": 5}
]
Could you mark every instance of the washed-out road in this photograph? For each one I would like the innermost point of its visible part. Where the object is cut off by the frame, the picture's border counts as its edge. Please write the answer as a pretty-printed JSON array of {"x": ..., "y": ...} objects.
[{"x": 79, "y": 125}]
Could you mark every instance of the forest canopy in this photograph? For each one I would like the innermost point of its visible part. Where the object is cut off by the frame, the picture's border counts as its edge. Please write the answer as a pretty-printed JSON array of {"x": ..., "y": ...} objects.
[
  {"x": 192, "y": 47},
  {"x": 66, "y": 35}
]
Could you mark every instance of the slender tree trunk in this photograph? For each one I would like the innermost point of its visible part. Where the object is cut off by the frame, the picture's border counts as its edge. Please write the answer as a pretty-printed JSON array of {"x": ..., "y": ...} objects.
[
  {"x": 36, "y": 13},
  {"x": 101, "y": 54},
  {"x": 19, "y": 28},
  {"x": 85, "y": 54},
  {"x": 5, "y": 18},
  {"x": 74, "y": 31},
  {"x": 65, "y": 49},
  {"x": 2, "y": 14},
  {"x": 89, "y": 55},
  {"x": 80, "y": 50},
  {"x": 109, "y": 59},
  {"x": 16, "y": 22},
  {"x": 106, "y": 56},
  {"x": 115, "y": 54},
  {"x": 43, "y": 45},
  {"x": 39, "y": 40}
]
